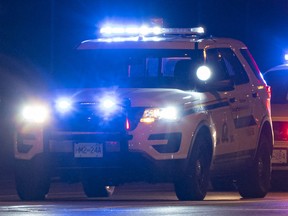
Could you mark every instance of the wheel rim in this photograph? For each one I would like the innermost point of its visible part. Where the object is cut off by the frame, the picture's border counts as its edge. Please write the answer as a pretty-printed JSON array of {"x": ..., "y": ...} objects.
[
  {"x": 261, "y": 170},
  {"x": 200, "y": 172}
]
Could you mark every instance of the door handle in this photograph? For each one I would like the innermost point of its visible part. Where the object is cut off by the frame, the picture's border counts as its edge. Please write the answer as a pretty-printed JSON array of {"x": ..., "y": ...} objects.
[
  {"x": 255, "y": 94},
  {"x": 232, "y": 100}
]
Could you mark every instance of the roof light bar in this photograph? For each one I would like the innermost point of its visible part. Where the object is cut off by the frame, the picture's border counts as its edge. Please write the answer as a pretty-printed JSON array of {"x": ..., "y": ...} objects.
[
  {"x": 184, "y": 31},
  {"x": 286, "y": 57},
  {"x": 145, "y": 30}
]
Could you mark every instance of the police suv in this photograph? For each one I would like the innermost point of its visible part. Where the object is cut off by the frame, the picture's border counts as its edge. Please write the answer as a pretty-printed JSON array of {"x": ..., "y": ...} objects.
[
  {"x": 154, "y": 105},
  {"x": 277, "y": 78}
]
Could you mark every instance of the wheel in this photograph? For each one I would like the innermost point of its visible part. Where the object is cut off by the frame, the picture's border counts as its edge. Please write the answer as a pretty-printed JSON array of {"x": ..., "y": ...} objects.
[
  {"x": 32, "y": 179},
  {"x": 93, "y": 187},
  {"x": 193, "y": 184},
  {"x": 219, "y": 184},
  {"x": 256, "y": 182}
]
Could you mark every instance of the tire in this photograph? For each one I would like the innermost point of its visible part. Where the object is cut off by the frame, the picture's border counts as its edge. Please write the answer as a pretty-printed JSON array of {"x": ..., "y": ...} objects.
[
  {"x": 256, "y": 182},
  {"x": 32, "y": 179},
  {"x": 193, "y": 185},
  {"x": 93, "y": 187}
]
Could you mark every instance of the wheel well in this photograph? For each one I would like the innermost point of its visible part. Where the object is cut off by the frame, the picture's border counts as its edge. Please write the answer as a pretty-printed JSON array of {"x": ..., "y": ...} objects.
[
  {"x": 266, "y": 129},
  {"x": 205, "y": 132}
]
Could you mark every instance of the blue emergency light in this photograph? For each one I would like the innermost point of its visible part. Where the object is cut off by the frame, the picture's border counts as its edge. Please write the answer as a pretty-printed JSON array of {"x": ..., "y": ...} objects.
[{"x": 112, "y": 30}]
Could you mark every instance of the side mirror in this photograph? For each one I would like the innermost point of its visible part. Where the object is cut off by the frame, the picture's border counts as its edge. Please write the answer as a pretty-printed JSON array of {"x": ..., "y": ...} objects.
[{"x": 223, "y": 85}]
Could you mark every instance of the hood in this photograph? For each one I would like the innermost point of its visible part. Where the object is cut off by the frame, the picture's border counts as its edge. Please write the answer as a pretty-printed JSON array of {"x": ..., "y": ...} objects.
[{"x": 139, "y": 97}]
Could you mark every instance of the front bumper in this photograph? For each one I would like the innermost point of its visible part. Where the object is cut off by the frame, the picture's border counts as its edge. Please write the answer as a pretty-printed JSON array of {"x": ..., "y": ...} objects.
[{"x": 116, "y": 165}]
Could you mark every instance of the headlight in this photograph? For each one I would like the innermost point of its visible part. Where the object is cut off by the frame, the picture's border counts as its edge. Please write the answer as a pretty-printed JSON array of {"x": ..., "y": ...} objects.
[
  {"x": 63, "y": 105},
  {"x": 153, "y": 114},
  {"x": 35, "y": 113},
  {"x": 108, "y": 105}
]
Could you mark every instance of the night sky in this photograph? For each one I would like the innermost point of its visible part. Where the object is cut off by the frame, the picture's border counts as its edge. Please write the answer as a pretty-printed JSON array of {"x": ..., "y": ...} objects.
[{"x": 43, "y": 33}]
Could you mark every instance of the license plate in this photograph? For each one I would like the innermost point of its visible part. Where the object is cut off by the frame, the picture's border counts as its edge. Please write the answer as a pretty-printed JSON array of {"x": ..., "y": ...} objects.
[
  {"x": 88, "y": 150},
  {"x": 279, "y": 156}
]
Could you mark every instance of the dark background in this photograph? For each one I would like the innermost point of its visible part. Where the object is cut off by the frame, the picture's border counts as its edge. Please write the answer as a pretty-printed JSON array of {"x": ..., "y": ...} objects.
[
  {"x": 37, "y": 36},
  {"x": 43, "y": 32}
]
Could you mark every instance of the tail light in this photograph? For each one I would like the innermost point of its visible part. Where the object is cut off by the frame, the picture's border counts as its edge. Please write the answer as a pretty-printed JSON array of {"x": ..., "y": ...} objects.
[
  {"x": 268, "y": 89},
  {"x": 280, "y": 131}
]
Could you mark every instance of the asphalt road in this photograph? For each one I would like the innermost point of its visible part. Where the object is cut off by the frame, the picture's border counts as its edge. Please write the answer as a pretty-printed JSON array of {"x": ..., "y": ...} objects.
[{"x": 137, "y": 199}]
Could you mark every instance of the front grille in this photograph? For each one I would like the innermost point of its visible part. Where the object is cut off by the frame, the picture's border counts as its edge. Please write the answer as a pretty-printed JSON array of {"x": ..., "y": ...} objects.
[{"x": 86, "y": 117}]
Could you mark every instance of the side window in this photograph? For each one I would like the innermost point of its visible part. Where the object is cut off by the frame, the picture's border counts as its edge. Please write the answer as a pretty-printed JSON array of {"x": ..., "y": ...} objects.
[
  {"x": 250, "y": 60},
  {"x": 215, "y": 61},
  {"x": 234, "y": 67}
]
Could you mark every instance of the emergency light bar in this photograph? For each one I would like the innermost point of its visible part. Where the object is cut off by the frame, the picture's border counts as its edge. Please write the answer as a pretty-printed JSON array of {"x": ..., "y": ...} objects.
[
  {"x": 184, "y": 31},
  {"x": 144, "y": 31}
]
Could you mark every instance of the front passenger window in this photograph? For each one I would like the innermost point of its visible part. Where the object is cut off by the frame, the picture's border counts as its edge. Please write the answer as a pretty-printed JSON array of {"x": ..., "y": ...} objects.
[
  {"x": 215, "y": 62},
  {"x": 225, "y": 65},
  {"x": 234, "y": 67}
]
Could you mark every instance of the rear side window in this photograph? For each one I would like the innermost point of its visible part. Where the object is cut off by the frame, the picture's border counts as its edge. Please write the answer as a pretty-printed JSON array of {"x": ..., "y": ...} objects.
[
  {"x": 278, "y": 80},
  {"x": 250, "y": 60}
]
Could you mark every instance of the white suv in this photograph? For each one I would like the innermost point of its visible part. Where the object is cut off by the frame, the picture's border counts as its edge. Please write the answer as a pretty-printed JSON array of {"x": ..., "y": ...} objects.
[
  {"x": 277, "y": 78},
  {"x": 159, "y": 105}
]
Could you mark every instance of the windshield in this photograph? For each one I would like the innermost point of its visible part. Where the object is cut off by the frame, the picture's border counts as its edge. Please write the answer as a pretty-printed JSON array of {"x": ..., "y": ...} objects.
[
  {"x": 137, "y": 68},
  {"x": 278, "y": 80}
]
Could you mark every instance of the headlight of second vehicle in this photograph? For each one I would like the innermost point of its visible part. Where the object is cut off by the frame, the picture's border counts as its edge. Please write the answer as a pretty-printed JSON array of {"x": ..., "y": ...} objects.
[
  {"x": 152, "y": 114},
  {"x": 35, "y": 113}
]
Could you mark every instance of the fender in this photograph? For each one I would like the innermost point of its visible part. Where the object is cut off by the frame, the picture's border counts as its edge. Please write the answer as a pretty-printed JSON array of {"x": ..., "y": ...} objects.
[
  {"x": 202, "y": 125},
  {"x": 265, "y": 125}
]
